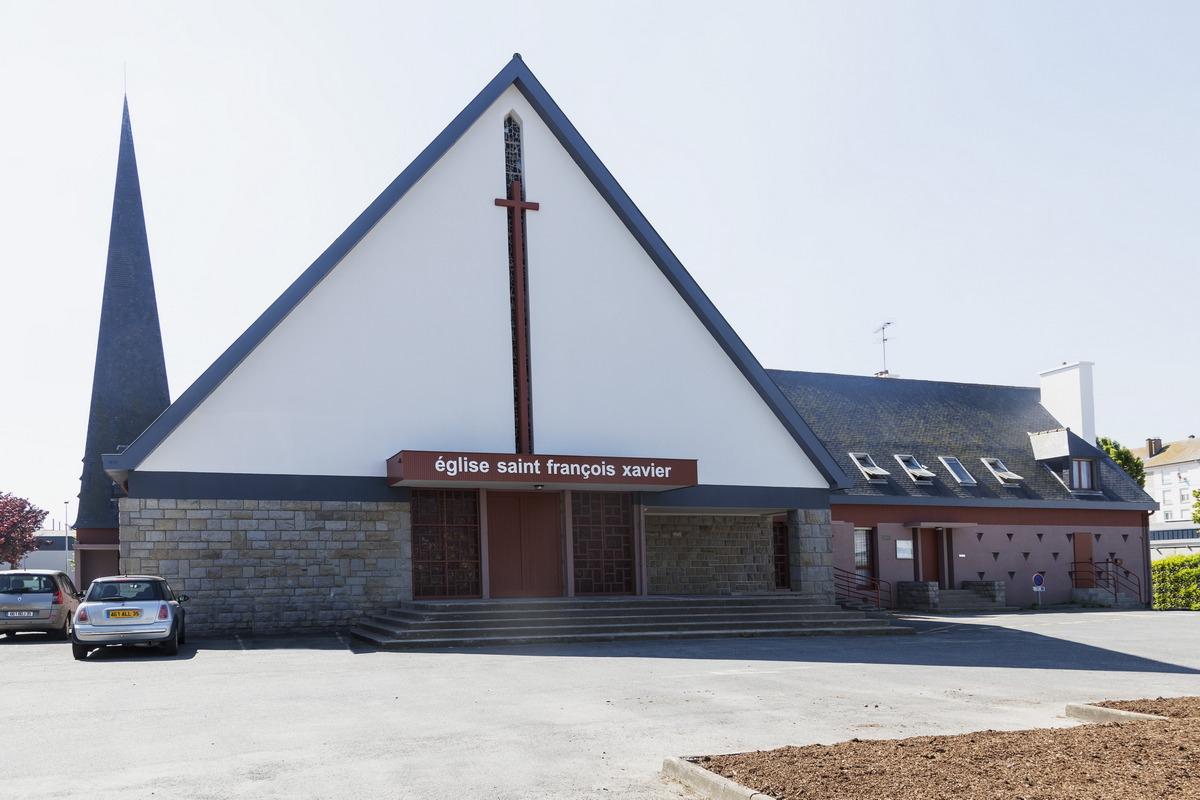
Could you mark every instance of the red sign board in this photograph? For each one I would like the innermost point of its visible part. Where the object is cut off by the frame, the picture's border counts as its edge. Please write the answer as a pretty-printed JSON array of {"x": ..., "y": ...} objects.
[{"x": 428, "y": 467}]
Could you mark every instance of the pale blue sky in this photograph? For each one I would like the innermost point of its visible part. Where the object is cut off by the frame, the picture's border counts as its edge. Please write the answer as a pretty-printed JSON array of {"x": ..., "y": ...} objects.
[{"x": 1014, "y": 184}]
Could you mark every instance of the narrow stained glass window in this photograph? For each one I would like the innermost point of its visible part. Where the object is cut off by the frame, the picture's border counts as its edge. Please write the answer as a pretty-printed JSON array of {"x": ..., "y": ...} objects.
[{"x": 512, "y": 150}]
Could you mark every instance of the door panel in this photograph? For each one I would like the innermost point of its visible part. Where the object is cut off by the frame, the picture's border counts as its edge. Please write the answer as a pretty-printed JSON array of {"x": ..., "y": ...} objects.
[
  {"x": 864, "y": 556},
  {"x": 91, "y": 564},
  {"x": 524, "y": 544},
  {"x": 1084, "y": 576},
  {"x": 505, "y": 548},
  {"x": 930, "y": 557}
]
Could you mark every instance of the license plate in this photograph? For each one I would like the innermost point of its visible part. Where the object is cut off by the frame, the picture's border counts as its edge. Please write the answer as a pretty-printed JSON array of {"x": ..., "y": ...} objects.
[
  {"x": 124, "y": 613},
  {"x": 22, "y": 613}
]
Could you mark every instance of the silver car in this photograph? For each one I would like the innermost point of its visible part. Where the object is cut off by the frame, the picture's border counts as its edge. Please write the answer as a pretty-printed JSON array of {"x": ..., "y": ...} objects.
[
  {"x": 129, "y": 609},
  {"x": 37, "y": 600}
]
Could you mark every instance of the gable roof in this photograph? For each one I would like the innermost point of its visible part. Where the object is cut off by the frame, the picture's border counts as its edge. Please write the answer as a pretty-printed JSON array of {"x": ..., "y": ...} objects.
[
  {"x": 1179, "y": 452},
  {"x": 930, "y": 419},
  {"x": 514, "y": 74},
  {"x": 129, "y": 385}
]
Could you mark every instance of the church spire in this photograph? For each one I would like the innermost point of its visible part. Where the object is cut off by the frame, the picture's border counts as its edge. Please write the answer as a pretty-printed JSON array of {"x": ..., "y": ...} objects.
[{"x": 129, "y": 386}]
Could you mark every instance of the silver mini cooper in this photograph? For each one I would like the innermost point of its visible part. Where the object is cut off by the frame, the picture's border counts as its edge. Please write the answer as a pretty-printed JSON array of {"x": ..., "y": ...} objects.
[{"x": 129, "y": 609}]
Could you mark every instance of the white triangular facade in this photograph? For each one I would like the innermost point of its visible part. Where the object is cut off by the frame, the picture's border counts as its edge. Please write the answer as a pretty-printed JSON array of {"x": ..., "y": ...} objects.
[{"x": 407, "y": 345}]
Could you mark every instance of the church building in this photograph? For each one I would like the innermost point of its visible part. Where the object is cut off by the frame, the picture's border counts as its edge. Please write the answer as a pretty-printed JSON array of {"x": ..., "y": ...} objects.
[{"x": 497, "y": 382}]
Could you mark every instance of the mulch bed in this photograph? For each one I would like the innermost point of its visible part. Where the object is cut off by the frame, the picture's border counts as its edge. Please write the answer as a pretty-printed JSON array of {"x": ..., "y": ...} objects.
[{"x": 1157, "y": 759}]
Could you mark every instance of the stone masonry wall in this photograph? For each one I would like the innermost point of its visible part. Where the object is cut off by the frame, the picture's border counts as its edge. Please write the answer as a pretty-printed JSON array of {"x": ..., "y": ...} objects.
[
  {"x": 271, "y": 566},
  {"x": 810, "y": 551},
  {"x": 917, "y": 595},
  {"x": 990, "y": 590},
  {"x": 709, "y": 554}
]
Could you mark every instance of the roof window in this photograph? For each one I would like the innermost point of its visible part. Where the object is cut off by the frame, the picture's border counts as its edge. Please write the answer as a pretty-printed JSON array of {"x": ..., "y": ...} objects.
[
  {"x": 869, "y": 468},
  {"x": 915, "y": 469},
  {"x": 1002, "y": 473},
  {"x": 956, "y": 468}
]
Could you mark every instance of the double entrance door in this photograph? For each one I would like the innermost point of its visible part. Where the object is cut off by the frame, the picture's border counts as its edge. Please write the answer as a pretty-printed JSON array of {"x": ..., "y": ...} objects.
[
  {"x": 525, "y": 555},
  {"x": 470, "y": 543}
]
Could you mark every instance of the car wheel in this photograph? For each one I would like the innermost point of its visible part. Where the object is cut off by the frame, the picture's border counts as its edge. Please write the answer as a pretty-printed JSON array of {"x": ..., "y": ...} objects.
[
  {"x": 182, "y": 631},
  {"x": 65, "y": 631},
  {"x": 171, "y": 646},
  {"x": 79, "y": 651}
]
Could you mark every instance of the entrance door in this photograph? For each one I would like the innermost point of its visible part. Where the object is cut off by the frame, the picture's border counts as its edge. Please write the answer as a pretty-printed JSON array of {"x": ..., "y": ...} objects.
[
  {"x": 864, "y": 556},
  {"x": 1084, "y": 573},
  {"x": 930, "y": 556},
  {"x": 93, "y": 563},
  {"x": 525, "y": 556}
]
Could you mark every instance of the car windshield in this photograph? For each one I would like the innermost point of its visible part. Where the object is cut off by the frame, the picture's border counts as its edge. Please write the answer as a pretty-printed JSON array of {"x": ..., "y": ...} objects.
[
  {"x": 25, "y": 584},
  {"x": 122, "y": 591}
]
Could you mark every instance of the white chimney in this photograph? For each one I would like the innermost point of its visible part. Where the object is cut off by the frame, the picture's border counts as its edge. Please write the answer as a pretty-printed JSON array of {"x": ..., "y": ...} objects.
[{"x": 1067, "y": 395}]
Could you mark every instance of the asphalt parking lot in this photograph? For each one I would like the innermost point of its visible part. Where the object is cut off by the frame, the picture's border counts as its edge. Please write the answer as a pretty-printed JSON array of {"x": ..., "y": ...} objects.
[{"x": 327, "y": 717}]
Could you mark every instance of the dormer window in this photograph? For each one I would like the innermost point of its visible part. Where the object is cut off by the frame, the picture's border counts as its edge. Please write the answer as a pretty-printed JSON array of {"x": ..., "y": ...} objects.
[
  {"x": 1081, "y": 475},
  {"x": 915, "y": 469},
  {"x": 1002, "y": 473},
  {"x": 956, "y": 468},
  {"x": 872, "y": 471}
]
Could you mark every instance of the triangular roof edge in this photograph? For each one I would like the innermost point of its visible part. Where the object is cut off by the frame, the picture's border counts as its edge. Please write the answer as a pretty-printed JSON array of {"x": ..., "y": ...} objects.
[{"x": 517, "y": 74}]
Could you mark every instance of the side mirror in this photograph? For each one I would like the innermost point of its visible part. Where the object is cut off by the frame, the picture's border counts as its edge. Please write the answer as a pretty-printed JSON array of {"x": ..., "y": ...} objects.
[{"x": 182, "y": 598}]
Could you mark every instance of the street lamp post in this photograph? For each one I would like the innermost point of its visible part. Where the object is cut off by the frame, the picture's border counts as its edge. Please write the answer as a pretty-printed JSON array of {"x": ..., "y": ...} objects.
[{"x": 67, "y": 538}]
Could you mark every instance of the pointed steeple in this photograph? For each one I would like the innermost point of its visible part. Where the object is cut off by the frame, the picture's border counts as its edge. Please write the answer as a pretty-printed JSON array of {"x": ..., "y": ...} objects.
[{"x": 129, "y": 387}]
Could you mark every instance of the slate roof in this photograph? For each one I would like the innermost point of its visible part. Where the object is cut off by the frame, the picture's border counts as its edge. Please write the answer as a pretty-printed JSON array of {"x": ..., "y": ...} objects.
[
  {"x": 129, "y": 385},
  {"x": 1171, "y": 453},
  {"x": 927, "y": 419},
  {"x": 518, "y": 75}
]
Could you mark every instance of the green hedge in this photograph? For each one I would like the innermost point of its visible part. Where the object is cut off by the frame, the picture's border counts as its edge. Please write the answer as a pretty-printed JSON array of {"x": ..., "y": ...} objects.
[{"x": 1176, "y": 583}]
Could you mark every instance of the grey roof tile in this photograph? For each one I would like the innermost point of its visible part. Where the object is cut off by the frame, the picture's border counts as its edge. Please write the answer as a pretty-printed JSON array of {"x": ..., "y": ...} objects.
[{"x": 928, "y": 419}]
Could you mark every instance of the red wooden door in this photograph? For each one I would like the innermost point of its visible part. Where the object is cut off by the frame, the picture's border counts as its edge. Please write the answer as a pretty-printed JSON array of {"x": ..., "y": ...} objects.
[
  {"x": 930, "y": 557},
  {"x": 1084, "y": 572},
  {"x": 524, "y": 544}
]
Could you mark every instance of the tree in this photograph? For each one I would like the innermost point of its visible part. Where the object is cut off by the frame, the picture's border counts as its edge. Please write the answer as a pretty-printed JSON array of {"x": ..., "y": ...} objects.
[
  {"x": 19, "y": 521},
  {"x": 1125, "y": 459},
  {"x": 1196, "y": 507}
]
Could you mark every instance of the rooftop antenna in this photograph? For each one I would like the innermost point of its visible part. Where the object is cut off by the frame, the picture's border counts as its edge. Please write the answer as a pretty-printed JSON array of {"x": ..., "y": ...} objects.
[{"x": 882, "y": 331}]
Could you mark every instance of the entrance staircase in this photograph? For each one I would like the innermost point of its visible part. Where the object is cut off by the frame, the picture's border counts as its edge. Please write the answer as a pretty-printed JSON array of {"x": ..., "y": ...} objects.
[
  {"x": 968, "y": 601},
  {"x": 475, "y": 623}
]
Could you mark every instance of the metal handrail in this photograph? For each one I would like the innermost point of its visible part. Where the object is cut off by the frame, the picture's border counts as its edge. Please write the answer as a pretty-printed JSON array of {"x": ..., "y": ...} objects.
[
  {"x": 1109, "y": 575},
  {"x": 855, "y": 586}
]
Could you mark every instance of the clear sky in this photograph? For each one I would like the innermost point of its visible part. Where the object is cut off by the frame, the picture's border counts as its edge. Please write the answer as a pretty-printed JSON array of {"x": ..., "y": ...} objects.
[{"x": 1012, "y": 184}]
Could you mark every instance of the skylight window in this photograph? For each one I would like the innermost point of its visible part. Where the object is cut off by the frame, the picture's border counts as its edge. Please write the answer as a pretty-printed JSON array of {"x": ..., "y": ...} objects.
[
  {"x": 915, "y": 469},
  {"x": 869, "y": 468},
  {"x": 956, "y": 468},
  {"x": 1002, "y": 473}
]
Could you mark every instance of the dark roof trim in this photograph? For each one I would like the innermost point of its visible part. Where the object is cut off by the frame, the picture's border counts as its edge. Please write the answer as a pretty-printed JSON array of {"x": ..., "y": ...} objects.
[
  {"x": 222, "y": 486},
  {"x": 515, "y": 73},
  {"x": 987, "y": 502},
  {"x": 758, "y": 498}
]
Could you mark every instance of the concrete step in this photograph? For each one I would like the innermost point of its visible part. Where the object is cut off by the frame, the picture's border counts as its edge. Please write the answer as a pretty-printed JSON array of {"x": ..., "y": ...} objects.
[
  {"x": 415, "y": 622},
  {"x": 456, "y": 623},
  {"x": 649, "y": 608},
  {"x": 388, "y": 642},
  {"x": 618, "y": 623},
  {"x": 967, "y": 601}
]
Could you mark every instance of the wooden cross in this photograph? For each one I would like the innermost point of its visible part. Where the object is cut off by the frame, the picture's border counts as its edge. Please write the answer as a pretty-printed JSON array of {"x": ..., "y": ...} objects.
[{"x": 516, "y": 246}]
